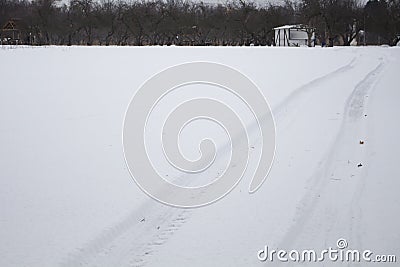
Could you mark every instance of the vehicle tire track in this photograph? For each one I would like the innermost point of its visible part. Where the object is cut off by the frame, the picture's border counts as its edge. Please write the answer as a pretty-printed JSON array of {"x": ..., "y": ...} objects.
[
  {"x": 307, "y": 209},
  {"x": 148, "y": 222},
  {"x": 313, "y": 84},
  {"x": 159, "y": 239},
  {"x": 161, "y": 222}
]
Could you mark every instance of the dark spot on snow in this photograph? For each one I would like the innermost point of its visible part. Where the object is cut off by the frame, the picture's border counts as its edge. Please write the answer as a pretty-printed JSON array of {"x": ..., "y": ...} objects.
[
  {"x": 361, "y": 142},
  {"x": 359, "y": 165},
  {"x": 142, "y": 220}
]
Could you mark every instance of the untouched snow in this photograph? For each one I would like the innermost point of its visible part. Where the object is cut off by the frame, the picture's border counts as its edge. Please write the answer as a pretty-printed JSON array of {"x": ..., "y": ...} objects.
[{"x": 67, "y": 199}]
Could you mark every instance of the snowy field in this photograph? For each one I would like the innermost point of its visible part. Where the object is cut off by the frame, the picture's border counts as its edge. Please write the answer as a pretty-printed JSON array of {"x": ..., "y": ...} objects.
[{"x": 67, "y": 198}]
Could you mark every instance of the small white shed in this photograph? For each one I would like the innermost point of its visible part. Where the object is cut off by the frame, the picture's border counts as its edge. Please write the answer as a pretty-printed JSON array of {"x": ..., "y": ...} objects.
[{"x": 293, "y": 35}]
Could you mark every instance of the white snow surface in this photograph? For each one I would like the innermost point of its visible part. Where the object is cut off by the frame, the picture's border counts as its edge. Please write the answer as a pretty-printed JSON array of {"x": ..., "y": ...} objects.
[{"x": 67, "y": 198}]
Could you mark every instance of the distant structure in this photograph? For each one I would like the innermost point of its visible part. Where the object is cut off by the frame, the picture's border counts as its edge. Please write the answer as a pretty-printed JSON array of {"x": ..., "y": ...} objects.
[
  {"x": 10, "y": 34},
  {"x": 294, "y": 35}
]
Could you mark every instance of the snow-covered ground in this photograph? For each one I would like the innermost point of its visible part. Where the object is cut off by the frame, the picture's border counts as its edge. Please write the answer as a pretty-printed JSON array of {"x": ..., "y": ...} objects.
[{"x": 67, "y": 198}]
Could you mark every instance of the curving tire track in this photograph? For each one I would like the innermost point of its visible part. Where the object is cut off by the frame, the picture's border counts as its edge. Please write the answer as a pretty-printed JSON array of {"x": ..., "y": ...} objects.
[
  {"x": 308, "y": 225},
  {"x": 312, "y": 85},
  {"x": 131, "y": 241}
]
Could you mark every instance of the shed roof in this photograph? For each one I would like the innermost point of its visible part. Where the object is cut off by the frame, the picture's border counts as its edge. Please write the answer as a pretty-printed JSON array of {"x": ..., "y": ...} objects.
[
  {"x": 11, "y": 25},
  {"x": 293, "y": 26},
  {"x": 287, "y": 27}
]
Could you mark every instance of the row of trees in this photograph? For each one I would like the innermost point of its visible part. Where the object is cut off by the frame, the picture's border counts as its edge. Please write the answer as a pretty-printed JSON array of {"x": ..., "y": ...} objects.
[
  {"x": 377, "y": 22},
  {"x": 158, "y": 22}
]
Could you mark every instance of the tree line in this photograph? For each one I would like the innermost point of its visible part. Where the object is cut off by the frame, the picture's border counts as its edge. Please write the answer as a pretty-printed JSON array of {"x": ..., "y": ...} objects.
[{"x": 179, "y": 22}]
